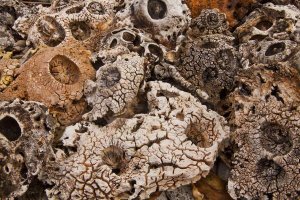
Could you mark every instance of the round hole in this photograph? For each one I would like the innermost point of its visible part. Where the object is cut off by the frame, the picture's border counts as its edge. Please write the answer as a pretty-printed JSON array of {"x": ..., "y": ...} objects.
[
  {"x": 10, "y": 128},
  {"x": 114, "y": 157},
  {"x": 276, "y": 139},
  {"x": 157, "y": 9},
  {"x": 212, "y": 19},
  {"x": 80, "y": 30},
  {"x": 110, "y": 77},
  {"x": 113, "y": 43},
  {"x": 129, "y": 37},
  {"x": 275, "y": 49},
  {"x": 264, "y": 25},
  {"x": 209, "y": 74},
  {"x": 96, "y": 8},
  {"x": 52, "y": 33},
  {"x": 64, "y": 70},
  {"x": 198, "y": 136},
  {"x": 226, "y": 59},
  {"x": 268, "y": 170},
  {"x": 155, "y": 50},
  {"x": 75, "y": 9},
  {"x": 209, "y": 45}
]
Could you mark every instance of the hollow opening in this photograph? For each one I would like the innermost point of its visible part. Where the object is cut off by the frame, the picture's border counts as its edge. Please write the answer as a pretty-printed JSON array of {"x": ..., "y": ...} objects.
[
  {"x": 157, "y": 9},
  {"x": 127, "y": 36},
  {"x": 114, "y": 157},
  {"x": 268, "y": 170},
  {"x": 156, "y": 50},
  {"x": 64, "y": 70},
  {"x": 275, "y": 138},
  {"x": 110, "y": 77},
  {"x": 80, "y": 30},
  {"x": 97, "y": 63},
  {"x": 264, "y": 25},
  {"x": 210, "y": 45},
  {"x": 275, "y": 49},
  {"x": 281, "y": 26},
  {"x": 75, "y": 9},
  {"x": 198, "y": 136},
  {"x": 212, "y": 19},
  {"x": 10, "y": 128},
  {"x": 258, "y": 37},
  {"x": 113, "y": 43},
  {"x": 209, "y": 74},
  {"x": 52, "y": 33},
  {"x": 226, "y": 59},
  {"x": 96, "y": 8}
]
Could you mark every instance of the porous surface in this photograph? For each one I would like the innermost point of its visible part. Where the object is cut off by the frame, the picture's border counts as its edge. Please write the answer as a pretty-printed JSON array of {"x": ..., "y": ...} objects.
[
  {"x": 25, "y": 143},
  {"x": 8, "y": 69},
  {"x": 57, "y": 76},
  {"x": 79, "y": 22},
  {"x": 149, "y": 99},
  {"x": 165, "y": 20},
  {"x": 266, "y": 115},
  {"x": 174, "y": 144},
  {"x": 116, "y": 86}
]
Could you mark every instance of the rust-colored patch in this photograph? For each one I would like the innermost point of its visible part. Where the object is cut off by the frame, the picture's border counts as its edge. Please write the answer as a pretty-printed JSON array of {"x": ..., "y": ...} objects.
[{"x": 235, "y": 10}]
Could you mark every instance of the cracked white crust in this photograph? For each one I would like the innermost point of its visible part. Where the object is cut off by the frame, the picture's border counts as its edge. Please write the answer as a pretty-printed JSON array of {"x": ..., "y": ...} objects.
[
  {"x": 158, "y": 154},
  {"x": 116, "y": 86}
]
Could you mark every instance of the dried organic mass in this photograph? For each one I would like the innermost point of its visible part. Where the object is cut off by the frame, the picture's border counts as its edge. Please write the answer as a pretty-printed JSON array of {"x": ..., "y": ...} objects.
[{"x": 149, "y": 99}]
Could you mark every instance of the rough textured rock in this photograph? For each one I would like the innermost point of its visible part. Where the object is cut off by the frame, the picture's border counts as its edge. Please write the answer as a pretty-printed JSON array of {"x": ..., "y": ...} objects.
[
  {"x": 79, "y": 21},
  {"x": 175, "y": 144},
  {"x": 116, "y": 86},
  {"x": 165, "y": 20},
  {"x": 56, "y": 78},
  {"x": 274, "y": 21},
  {"x": 234, "y": 10},
  {"x": 208, "y": 60},
  {"x": 181, "y": 193},
  {"x": 7, "y": 72},
  {"x": 129, "y": 99},
  {"x": 25, "y": 143},
  {"x": 266, "y": 116},
  {"x": 268, "y": 51}
]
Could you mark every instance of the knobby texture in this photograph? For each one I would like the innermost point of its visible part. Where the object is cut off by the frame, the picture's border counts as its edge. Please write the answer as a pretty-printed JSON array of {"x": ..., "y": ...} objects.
[{"x": 149, "y": 99}]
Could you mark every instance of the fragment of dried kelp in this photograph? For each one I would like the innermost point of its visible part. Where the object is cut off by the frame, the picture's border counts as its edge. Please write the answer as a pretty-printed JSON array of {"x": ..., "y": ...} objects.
[
  {"x": 55, "y": 77},
  {"x": 116, "y": 86},
  {"x": 165, "y": 20},
  {"x": 273, "y": 21},
  {"x": 7, "y": 72},
  {"x": 78, "y": 22},
  {"x": 234, "y": 10},
  {"x": 175, "y": 144},
  {"x": 266, "y": 119},
  {"x": 25, "y": 144}
]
